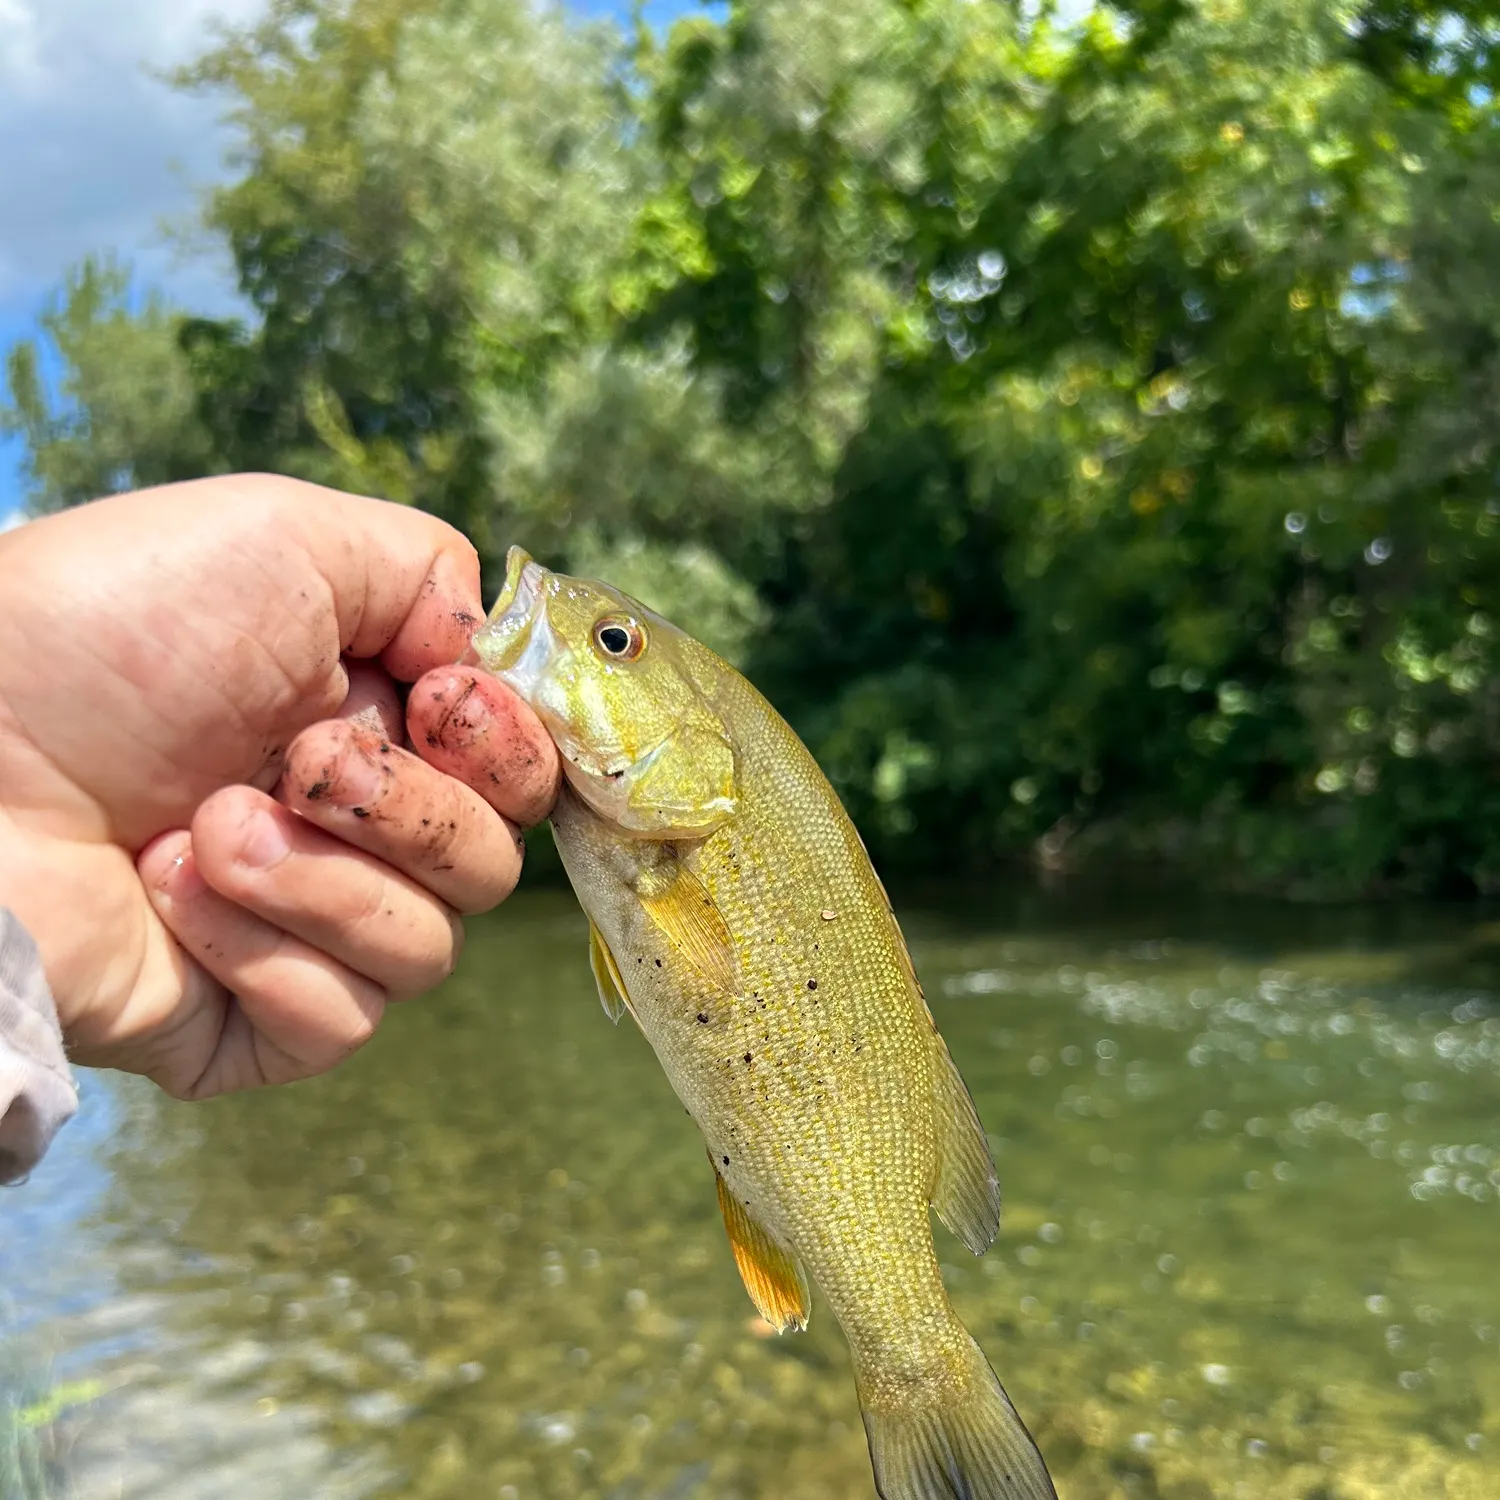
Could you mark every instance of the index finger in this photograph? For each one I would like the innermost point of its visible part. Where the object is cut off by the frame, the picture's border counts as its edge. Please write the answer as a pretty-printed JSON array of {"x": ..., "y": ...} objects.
[
  {"x": 353, "y": 783},
  {"x": 469, "y": 724}
]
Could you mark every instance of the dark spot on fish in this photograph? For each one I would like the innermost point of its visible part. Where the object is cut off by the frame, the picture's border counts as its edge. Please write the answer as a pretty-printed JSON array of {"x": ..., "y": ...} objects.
[
  {"x": 433, "y": 740},
  {"x": 437, "y": 869},
  {"x": 749, "y": 1057},
  {"x": 426, "y": 822},
  {"x": 360, "y": 812},
  {"x": 318, "y": 789},
  {"x": 658, "y": 963},
  {"x": 725, "y": 1160},
  {"x": 463, "y": 619},
  {"x": 702, "y": 1019},
  {"x": 812, "y": 984},
  {"x": 385, "y": 749},
  {"x": 494, "y": 778}
]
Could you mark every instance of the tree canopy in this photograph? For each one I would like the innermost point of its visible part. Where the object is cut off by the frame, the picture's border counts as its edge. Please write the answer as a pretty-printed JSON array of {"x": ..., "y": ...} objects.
[{"x": 1086, "y": 433}]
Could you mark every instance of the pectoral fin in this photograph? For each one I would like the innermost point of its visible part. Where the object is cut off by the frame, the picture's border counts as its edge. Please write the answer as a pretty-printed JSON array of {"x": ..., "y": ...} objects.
[
  {"x": 775, "y": 1281},
  {"x": 967, "y": 1196},
  {"x": 686, "y": 913},
  {"x": 607, "y": 976}
]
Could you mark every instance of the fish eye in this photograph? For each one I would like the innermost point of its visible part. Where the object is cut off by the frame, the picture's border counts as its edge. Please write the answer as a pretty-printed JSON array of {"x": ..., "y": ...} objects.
[{"x": 619, "y": 637}]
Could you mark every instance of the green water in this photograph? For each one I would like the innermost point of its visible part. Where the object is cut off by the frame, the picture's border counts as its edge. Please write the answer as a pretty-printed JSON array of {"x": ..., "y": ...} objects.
[{"x": 1251, "y": 1158}]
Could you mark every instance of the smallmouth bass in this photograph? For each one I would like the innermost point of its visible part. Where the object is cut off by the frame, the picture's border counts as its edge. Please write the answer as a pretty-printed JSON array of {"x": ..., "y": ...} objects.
[{"x": 734, "y": 913}]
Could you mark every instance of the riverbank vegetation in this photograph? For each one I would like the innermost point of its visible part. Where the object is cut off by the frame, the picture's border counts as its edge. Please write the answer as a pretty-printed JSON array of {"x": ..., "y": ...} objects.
[{"x": 1087, "y": 431}]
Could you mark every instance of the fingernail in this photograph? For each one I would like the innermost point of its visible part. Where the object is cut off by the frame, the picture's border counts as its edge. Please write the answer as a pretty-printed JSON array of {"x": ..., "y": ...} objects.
[
  {"x": 180, "y": 881},
  {"x": 465, "y": 721},
  {"x": 265, "y": 843},
  {"x": 361, "y": 777}
]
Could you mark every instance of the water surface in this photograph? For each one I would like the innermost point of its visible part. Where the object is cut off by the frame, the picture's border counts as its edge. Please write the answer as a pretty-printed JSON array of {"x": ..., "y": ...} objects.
[{"x": 1251, "y": 1159}]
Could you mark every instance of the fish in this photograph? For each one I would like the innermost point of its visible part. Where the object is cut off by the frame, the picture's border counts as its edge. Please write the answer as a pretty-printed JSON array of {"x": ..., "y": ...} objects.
[{"x": 734, "y": 913}]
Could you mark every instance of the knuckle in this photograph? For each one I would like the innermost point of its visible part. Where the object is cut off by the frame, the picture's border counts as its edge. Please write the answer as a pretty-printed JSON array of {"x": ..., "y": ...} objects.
[
  {"x": 435, "y": 966},
  {"x": 358, "y": 1032},
  {"x": 368, "y": 904},
  {"x": 508, "y": 876},
  {"x": 358, "y": 1019}
]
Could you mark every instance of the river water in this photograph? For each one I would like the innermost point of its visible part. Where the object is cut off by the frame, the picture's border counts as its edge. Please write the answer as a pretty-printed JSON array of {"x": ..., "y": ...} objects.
[{"x": 1251, "y": 1244}]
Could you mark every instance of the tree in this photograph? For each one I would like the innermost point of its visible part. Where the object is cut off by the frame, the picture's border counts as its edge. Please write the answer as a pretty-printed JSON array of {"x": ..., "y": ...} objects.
[
  {"x": 123, "y": 411},
  {"x": 1085, "y": 433}
]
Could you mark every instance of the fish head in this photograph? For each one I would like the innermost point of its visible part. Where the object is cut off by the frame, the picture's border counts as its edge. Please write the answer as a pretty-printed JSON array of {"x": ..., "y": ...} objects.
[{"x": 621, "y": 692}]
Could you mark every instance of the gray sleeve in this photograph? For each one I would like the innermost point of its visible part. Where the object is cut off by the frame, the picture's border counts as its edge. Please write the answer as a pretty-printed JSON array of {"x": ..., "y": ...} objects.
[{"x": 37, "y": 1093}]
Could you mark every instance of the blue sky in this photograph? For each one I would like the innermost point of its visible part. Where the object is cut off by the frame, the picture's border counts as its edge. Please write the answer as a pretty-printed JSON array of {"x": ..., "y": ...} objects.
[{"x": 99, "y": 156}]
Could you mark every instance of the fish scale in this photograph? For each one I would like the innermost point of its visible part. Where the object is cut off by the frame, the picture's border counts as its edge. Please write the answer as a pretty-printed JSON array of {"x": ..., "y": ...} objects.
[{"x": 735, "y": 913}]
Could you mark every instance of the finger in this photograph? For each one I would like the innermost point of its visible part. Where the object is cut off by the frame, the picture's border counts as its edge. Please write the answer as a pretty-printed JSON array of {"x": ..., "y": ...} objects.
[
  {"x": 405, "y": 584},
  {"x": 288, "y": 1011},
  {"x": 373, "y": 700},
  {"x": 472, "y": 726},
  {"x": 340, "y": 901},
  {"x": 379, "y": 798}
]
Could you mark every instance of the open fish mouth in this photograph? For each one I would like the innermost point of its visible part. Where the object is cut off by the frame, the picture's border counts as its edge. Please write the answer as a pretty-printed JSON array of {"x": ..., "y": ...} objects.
[{"x": 505, "y": 635}]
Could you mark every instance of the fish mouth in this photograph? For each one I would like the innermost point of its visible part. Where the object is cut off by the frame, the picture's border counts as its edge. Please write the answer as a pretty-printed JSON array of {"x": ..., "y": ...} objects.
[{"x": 503, "y": 638}]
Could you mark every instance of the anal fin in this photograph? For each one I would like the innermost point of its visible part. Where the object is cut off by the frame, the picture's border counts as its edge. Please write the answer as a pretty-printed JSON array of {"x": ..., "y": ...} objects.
[
  {"x": 775, "y": 1282},
  {"x": 685, "y": 912},
  {"x": 607, "y": 976},
  {"x": 967, "y": 1196}
]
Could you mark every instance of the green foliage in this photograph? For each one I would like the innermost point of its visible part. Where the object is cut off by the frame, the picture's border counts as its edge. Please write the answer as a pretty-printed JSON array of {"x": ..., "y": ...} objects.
[
  {"x": 124, "y": 413},
  {"x": 1087, "y": 434}
]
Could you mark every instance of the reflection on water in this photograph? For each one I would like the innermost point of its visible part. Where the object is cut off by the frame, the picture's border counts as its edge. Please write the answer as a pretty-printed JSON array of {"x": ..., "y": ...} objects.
[{"x": 1252, "y": 1171}]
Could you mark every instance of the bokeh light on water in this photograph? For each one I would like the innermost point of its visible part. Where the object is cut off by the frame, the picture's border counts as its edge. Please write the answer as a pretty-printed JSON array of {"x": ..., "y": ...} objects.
[{"x": 1252, "y": 1173}]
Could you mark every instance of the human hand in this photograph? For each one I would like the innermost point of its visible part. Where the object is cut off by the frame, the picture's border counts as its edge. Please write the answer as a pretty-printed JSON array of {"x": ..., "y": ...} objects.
[{"x": 207, "y": 820}]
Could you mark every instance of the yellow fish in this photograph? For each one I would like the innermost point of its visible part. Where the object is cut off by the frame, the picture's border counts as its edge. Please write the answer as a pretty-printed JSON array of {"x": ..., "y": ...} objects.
[{"x": 734, "y": 912}]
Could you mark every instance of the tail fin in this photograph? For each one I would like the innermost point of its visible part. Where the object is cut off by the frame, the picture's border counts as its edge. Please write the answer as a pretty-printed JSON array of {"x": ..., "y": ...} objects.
[{"x": 973, "y": 1447}]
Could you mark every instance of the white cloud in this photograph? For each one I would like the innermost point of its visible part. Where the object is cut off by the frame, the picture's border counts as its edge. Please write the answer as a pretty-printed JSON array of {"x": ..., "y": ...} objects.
[
  {"x": 98, "y": 153},
  {"x": 19, "y": 63}
]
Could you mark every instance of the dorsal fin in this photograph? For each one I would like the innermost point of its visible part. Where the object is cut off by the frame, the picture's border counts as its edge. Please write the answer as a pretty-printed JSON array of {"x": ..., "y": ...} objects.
[{"x": 967, "y": 1195}]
